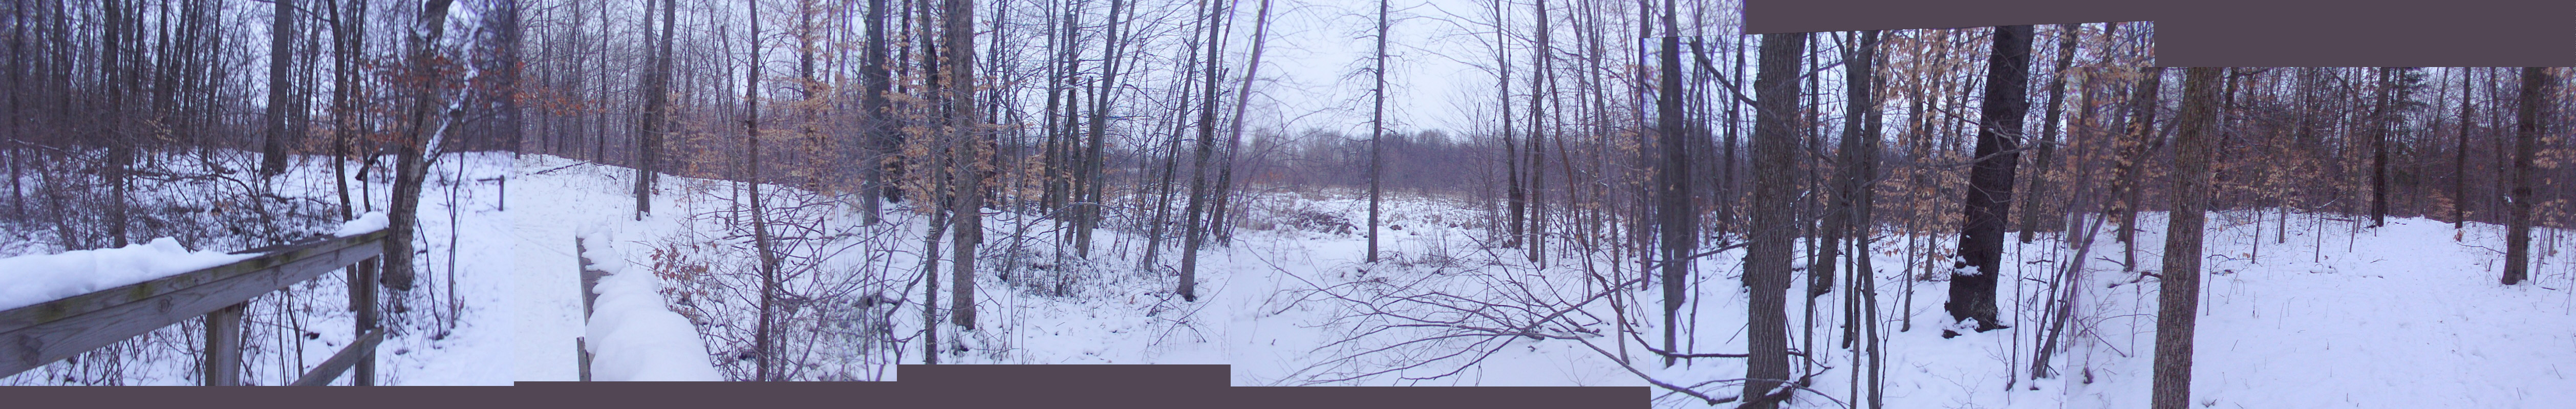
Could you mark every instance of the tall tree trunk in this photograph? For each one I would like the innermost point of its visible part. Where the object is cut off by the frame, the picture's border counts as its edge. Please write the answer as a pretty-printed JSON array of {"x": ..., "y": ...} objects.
[
  {"x": 2536, "y": 84},
  {"x": 1234, "y": 137},
  {"x": 765, "y": 362},
  {"x": 1377, "y": 131},
  {"x": 877, "y": 132},
  {"x": 1990, "y": 182},
  {"x": 2178, "y": 303},
  {"x": 657, "y": 113},
  {"x": 1673, "y": 210},
  {"x": 2031, "y": 220},
  {"x": 1539, "y": 94},
  {"x": 2141, "y": 125},
  {"x": 959, "y": 29},
  {"x": 2460, "y": 159},
  {"x": 281, "y": 33},
  {"x": 1514, "y": 202},
  {"x": 1766, "y": 259},
  {"x": 1094, "y": 160},
  {"x": 1196, "y": 231},
  {"x": 411, "y": 167},
  {"x": 344, "y": 50},
  {"x": 1848, "y": 182},
  {"x": 2379, "y": 150}
]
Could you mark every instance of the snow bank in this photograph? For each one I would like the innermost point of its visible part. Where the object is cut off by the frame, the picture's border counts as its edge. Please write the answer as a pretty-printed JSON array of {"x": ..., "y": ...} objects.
[
  {"x": 368, "y": 223},
  {"x": 33, "y": 279},
  {"x": 632, "y": 335}
]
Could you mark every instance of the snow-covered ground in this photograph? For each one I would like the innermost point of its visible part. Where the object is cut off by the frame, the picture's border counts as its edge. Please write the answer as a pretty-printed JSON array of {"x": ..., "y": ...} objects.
[
  {"x": 290, "y": 330},
  {"x": 2332, "y": 316}
]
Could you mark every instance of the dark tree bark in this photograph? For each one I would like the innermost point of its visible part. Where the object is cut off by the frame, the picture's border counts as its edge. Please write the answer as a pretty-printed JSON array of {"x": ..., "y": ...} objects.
[
  {"x": 1677, "y": 219},
  {"x": 1990, "y": 182},
  {"x": 2031, "y": 222},
  {"x": 959, "y": 31},
  {"x": 1848, "y": 181},
  {"x": 1196, "y": 213},
  {"x": 1093, "y": 159},
  {"x": 877, "y": 131},
  {"x": 1377, "y": 131},
  {"x": 2536, "y": 84},
  {"x": 1766, "y": 259},
  {"x": 345, "y": 41},
  {"x": 2140, "y": 127},
  {"x": 764, "y": 364},
  {"x": 2178, "y": 303},
  {"x": 281, "y": 35},
  {"x": 1234, "y": 138},
  {"x": 1535, "y": 232},
  {"x": 1514, "y": 202},
  {"x": 2378, "y": 127},
  {"x": 657, "y": 114},
  {"x": 2460, "y": 159},
  {"x": 411, "y": 167}
]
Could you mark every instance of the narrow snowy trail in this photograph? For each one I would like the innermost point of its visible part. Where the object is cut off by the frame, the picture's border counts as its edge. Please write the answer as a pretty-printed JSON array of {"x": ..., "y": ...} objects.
[
  {"x": 473, "y": 352},
  {"x": 546, "y": 290},
  {"x": 2397, "y": 316}
]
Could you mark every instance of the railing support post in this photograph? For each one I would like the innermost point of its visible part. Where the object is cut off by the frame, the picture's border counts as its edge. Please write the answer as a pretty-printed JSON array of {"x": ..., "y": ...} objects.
[
  {"x": 364, "y": 290},
  {"x": 589, "y": 279},
  {"x": 223, "y": 347}
]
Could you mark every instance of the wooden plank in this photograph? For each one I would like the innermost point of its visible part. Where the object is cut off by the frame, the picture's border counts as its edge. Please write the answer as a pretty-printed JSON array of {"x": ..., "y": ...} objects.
[
  {"x": 589, "y": 281},
  {"x": 366, "y": 288},
  {"x": 330, "y": 369},
  {"x": 223, "y": 363},
  {"x": 581, "y": 348},
  {"x": 22, "y": 317},
  {"x": 589, "y": 277},
  {"x": 35, "y": 335}
]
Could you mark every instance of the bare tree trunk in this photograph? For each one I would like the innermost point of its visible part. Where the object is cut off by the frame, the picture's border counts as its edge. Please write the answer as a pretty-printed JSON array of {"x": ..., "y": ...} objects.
[
  {"x": 2536, "y": 84},
  {"x": 2178, "y": 303},
  {"x": 1972, "y": 294},
  {"x": 959, "y": 29},
  {"x": 1766, "y": 259},
  {"x": 1094, "y": 160},
  {"x": 2460, "y": 160},
  {"x": 1377, "y": 131},
  {"x": 1234, "y": 139},
  {"x": 344, "y": 44},
  {"x": 1675, "y": 215},
  {"x": 2141, "y": 127},
  {"x": 877, "y": 134},
  {"x": 411, "y": 168},
  {"x": 657, "y": 113},
  {"x": 1196, "y": 231},
  {"x": 2379, "y": 150},
  {"x": 2048, "y": 133},
  {"x": 1515, "y": 203},
  {"x": 765, "y": 364},
  {"x": 281, "y": 33}
]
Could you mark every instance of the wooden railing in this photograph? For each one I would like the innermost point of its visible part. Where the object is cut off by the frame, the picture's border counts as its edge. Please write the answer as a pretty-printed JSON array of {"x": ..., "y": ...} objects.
[
  {"x": 589, "y": 295},
  {"x": 35, "y": 335}
]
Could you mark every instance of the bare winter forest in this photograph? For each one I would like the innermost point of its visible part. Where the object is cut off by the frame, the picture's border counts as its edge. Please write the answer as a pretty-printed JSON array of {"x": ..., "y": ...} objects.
[{"x": 1316, "y": 192}]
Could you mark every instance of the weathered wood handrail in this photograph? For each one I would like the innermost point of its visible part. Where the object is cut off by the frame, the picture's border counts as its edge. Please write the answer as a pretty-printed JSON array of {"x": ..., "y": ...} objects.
[
  {"x": 330, "y": 369},
  {"x": 35, "y": 335},
  {"x": 589, "y": 281}
]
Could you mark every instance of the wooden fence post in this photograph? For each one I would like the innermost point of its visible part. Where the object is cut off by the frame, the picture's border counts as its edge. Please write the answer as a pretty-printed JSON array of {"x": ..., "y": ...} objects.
[
  {"x": 223, "y": 347},
  {"x": 365, "y": 298},
  {"x": 589, "y": 279}
]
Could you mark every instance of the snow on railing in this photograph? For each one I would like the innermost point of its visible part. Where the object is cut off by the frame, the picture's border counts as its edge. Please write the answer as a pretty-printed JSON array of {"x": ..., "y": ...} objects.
[
  {"x": 35, "y": 279},
  {"x": 56, "y": 306},
  {"x": 366, "y": 223},
  {"x": 632, "y": 335}
]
